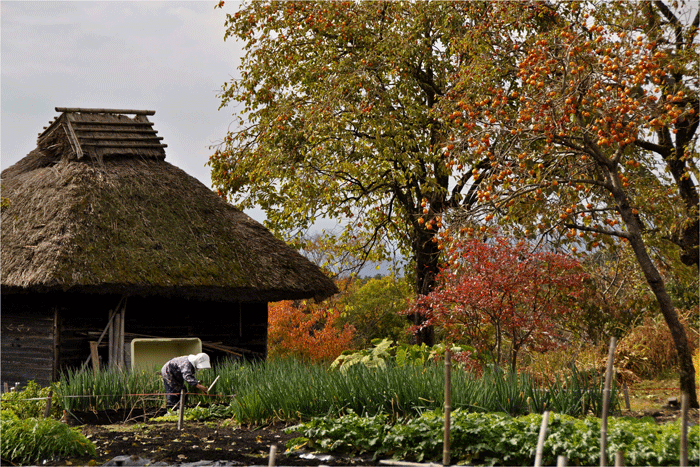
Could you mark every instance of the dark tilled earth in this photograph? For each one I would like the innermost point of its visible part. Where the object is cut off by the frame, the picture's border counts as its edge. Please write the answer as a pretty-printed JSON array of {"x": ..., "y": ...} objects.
[
  {"x": 134, "y": 442},
  {"x": 124, "y": 439}
]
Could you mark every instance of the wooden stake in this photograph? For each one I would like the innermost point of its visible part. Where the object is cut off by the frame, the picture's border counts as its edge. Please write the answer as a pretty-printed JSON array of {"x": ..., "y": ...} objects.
[
  {"x": 273, "y": 452},
  {"x": 448, "y": 408},
  {"x": 620, "y": 459},
  {"x": 561, "y": 461},
  {"x": 625, "y": 391},
  {"x": 47, "y": 410},
  {"x": 606, "y": 403},
  {"x": 541, "y": 438},
  {"x": 181, "y": 413},
  {"x": 684, "y": 429}
]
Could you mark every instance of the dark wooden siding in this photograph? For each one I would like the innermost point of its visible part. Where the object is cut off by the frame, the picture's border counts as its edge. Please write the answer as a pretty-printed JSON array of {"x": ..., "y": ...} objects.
[
  {"x": 237, "y": 325},
  {"x": 43, "y": 334},
  {"x": 27, "y": 340}
]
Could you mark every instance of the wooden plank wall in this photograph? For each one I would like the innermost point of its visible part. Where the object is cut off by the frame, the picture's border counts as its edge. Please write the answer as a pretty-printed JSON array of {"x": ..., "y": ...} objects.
[
  {"x": 43, "y": 334},
  {"x": 28, "y": 334}
]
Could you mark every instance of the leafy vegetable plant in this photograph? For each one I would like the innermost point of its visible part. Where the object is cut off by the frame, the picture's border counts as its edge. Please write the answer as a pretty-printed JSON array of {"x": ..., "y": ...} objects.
[{"x": 497, "y": 438}]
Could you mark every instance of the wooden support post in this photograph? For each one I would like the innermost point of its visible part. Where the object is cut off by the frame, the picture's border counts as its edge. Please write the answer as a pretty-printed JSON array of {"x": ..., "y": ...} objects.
[
  {"x": 606, "y": 403},
  {"x": 106, "y": 329},
  {"x": 122, "y": 325},
  {"x": 55, "y": 367},
  {"x": 117, "y": 325},
  {"x": 684, "y": 429},
  {"x": 95, "y": 357},
  {"x": 110, "y": 358},
  {"x": 448, "y": 408},
  {"x": 116, "y": 335},
  {"x": 541, "y": 438},
  {"x": 626, "y": 393}
]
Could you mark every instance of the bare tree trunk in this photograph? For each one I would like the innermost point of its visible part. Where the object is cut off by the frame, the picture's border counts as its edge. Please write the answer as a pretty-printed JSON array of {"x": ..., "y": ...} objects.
[{"x": 656, "y": 282}]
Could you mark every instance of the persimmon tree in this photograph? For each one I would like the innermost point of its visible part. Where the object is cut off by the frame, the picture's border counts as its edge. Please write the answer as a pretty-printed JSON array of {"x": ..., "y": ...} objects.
[
  {"x": 310, "y": 332},
  {"x": 337, "y": 118},
  {"x": 496, "y": 292},
  {"x": 590, "y": 126}
]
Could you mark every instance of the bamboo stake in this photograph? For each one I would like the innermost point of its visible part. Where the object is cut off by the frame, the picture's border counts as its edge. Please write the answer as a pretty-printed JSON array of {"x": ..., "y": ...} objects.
[
  {"x": 273, "y": 452},
  {"x": 606, "y": 403},
  {"x": 684, "y": 429},
  {"x": 448, "y": 408},
  {"x": 212, "y": 384},
  {"x": 541, "y": 438},
  {"x": 181, "y": 413}
]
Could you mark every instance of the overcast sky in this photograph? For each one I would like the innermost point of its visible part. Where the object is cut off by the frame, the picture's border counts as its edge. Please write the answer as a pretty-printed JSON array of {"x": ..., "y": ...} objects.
[{"x": 167, "y": 56}]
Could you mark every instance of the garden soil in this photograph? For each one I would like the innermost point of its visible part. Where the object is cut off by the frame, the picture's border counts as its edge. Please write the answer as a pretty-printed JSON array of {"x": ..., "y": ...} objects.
[{"x": 125, "y": 439}]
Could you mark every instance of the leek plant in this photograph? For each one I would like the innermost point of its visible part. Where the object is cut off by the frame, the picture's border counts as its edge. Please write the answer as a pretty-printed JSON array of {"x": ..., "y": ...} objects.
[
  {"x": 292, "y": 390},
  {"x": 109, "y": 389}
]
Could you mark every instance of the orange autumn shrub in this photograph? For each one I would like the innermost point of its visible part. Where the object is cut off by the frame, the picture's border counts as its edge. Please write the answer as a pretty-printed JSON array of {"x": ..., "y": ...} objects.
[{"x": 309, "y": 332}]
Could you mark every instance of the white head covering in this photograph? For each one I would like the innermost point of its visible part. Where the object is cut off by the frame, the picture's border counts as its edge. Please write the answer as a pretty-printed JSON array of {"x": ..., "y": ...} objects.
[{"x": 200, "y": 361}]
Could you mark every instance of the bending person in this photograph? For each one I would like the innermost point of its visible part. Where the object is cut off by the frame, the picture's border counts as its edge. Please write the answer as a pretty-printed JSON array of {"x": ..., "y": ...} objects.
[{"x": 180, "y": 370}]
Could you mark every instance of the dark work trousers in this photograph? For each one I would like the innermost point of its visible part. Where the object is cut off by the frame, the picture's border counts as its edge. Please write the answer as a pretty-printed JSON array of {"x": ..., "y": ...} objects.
[{"x": 172, "y": 395}]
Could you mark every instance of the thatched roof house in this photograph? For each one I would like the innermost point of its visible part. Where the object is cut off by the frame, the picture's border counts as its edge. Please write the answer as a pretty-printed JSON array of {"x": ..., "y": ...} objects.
[{"x": 94, "y": 215}]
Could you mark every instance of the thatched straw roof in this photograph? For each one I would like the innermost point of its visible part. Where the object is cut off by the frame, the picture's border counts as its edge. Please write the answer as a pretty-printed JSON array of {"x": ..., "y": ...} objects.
[{"x": 125, "y": 221}]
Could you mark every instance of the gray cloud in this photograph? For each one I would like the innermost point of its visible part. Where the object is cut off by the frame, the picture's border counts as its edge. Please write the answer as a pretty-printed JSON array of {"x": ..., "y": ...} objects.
[{"x": 166, "y": 56}]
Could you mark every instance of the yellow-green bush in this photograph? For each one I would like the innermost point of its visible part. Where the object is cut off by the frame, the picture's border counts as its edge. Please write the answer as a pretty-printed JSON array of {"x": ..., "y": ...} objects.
[
  {"x": 27, "y": 438},
  {"x": 30, "y": 402}
]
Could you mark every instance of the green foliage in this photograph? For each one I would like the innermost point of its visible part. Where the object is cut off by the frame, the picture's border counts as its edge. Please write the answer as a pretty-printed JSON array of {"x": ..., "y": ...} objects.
[
  {"x": 31, "y": 441},
  {"x": 30, "y": 401},
  {"x": 349, "y": 434},
  {"x": 212, "y": 412},
  {"x": 374, "y": 307},
  {"x": 386, "y": 351},
  {"x": 491, "y": 438},
  {"x": 335, "y": 103},
  {"x": 200, "y": 413}
]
